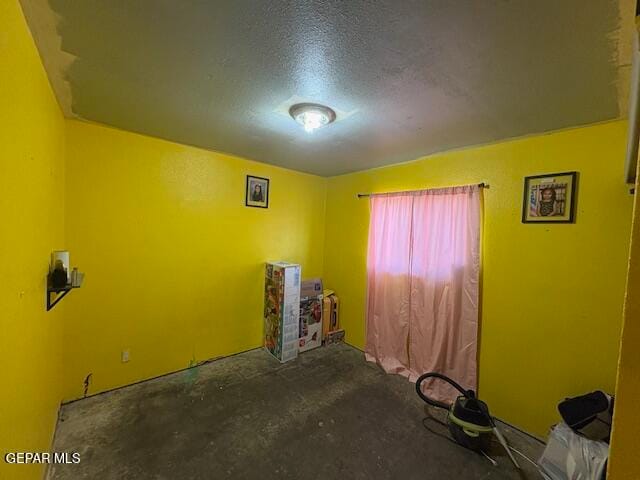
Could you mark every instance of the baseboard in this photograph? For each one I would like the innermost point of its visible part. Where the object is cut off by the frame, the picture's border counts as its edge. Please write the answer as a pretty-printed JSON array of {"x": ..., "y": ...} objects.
[
  {"x": 198, "y": 364},
  {"x": 524, "y": 432},
  {"x": 213, "y": 359}
]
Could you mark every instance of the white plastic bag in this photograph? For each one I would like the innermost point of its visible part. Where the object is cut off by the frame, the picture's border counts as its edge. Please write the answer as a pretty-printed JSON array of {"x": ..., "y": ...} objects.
[{"x": 569, "y": 456}]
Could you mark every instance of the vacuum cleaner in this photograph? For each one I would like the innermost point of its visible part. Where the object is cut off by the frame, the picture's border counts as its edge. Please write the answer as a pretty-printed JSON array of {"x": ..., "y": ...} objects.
[{"x": 469, "y": 421}]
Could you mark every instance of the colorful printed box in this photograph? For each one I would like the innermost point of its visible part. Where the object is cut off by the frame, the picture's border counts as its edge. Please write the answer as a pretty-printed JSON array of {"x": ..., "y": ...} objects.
[
  {"x": 282, "y": 309},
  {"x": 310, "y": 314}
]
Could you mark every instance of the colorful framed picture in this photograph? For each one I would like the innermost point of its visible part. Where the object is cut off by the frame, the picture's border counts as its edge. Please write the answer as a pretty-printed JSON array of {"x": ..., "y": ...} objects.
[
  {"x": 549, "y": 198},
  {"x": 257, "y": 194}
]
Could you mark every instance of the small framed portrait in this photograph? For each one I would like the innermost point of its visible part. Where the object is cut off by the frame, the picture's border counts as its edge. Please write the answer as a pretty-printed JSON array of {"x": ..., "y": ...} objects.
[
  {"x": 549, "y": 198},
  {"x": 257, "y": 194}
]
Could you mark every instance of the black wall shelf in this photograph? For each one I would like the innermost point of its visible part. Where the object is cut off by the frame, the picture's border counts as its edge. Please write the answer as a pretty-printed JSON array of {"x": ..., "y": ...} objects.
[{"x": 58, "y": 294}]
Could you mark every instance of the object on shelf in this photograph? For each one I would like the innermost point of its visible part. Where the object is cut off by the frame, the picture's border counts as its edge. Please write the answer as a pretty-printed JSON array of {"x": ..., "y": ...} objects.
[
  {"x": 59, "y": 269},
  {"x": 76, "y": 278},
  {"x": 310, "y": 314},
  {"x": 60, "y": 258},
  {"x": 282, "y": 309},
  {"x": 58, "y": 276},
  {"x": 61, "y": 279}
]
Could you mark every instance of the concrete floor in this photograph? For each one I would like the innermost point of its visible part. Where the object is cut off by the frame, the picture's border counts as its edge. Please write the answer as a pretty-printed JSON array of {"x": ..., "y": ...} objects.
[{"x": 328, "y": 414}]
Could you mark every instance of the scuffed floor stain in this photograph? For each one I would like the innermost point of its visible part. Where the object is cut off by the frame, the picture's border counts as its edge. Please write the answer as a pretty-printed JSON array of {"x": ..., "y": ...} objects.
[
  {"x": 191, "y": 374},
  {"x": 328, "y": 414}
]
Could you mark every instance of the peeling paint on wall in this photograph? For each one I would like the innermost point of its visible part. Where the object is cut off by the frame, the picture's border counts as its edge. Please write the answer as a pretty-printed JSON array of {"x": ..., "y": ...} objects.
[{"x": 87, "y": 382}]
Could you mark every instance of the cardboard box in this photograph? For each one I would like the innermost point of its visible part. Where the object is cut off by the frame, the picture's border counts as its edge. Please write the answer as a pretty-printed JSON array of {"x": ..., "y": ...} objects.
[
  {"x": 310, "y": 314},
  {"x": 334, "y": 337},
  {"x": 330, "y": 309},
  {"x": 282, "y": 309},
  {"x": 311, "y": 288}
]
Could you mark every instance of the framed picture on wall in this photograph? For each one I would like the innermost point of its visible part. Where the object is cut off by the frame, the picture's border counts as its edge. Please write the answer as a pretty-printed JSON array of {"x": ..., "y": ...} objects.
[
  {"x": 257, "y": 192},
  {"x": 549, "y": 198}
]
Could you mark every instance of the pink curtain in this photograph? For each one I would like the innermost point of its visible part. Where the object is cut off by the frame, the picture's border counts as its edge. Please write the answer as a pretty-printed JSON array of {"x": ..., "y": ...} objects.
[{"x": 423, "y": 267}]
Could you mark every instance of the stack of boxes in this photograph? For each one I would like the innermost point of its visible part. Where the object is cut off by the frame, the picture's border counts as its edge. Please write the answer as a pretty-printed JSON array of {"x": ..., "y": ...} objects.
[
  {"x": 298, "y": 316},
  {"x": 282, "y": 309}
]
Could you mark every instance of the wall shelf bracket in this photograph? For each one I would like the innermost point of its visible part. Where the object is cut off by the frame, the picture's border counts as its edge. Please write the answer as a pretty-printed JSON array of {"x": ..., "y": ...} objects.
[{"x": 57, "y": 293}]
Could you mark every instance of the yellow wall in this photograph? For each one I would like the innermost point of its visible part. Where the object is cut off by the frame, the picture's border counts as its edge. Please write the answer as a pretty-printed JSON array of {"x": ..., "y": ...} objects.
[
  {"x": 552, "y": 294},
  {"x": 174, "y": 260},
  {"x": 624, "y": 461},
  {"x": 32, "y": 225}
]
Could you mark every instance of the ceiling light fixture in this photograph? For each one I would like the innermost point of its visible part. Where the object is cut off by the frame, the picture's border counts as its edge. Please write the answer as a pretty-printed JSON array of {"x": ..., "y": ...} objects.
[{"x": 311, "y": 115}]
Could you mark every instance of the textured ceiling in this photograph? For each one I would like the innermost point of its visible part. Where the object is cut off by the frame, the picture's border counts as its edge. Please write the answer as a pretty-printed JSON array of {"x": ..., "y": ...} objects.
[{"x": 407, "y": 78}]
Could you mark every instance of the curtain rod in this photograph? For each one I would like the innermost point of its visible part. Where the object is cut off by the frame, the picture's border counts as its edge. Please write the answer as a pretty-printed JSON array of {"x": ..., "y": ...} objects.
[{"x": 363, "y": 195}]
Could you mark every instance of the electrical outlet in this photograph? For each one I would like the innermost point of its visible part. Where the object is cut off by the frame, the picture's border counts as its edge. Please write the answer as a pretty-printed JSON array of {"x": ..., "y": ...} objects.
[{"x": 125, "y": 356}]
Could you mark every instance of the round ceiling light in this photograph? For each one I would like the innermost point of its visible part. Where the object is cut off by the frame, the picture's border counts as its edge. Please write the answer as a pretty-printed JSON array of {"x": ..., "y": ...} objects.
[{"x": 311, "y": 115}]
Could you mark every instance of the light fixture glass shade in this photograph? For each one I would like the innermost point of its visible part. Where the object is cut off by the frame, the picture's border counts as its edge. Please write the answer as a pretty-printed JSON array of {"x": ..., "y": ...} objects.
[{"x": 311, "y": 115}]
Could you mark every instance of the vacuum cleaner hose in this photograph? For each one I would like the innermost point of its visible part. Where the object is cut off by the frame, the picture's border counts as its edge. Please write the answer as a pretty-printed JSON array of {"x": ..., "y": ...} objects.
[
  {"x": 435, "y": 403},
  {"x": 480, "y": 407}
]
